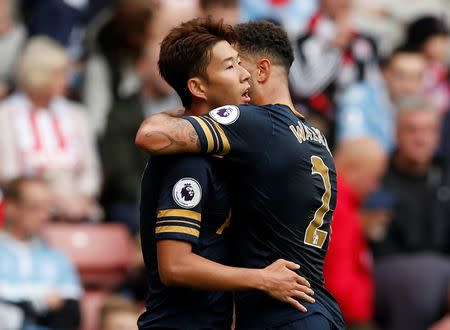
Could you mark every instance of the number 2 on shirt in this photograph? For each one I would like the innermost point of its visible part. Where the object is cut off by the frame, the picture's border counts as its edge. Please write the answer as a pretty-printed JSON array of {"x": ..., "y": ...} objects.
[{"x": 314, "y": 236}]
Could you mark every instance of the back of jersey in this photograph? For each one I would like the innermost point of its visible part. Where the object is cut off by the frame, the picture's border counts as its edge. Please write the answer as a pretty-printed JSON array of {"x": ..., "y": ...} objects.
[{"x": 283, "y": 198}]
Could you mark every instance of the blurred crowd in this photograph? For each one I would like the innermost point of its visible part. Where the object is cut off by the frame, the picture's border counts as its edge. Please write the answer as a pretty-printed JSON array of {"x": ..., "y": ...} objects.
[{"x": 77, "y": 77}]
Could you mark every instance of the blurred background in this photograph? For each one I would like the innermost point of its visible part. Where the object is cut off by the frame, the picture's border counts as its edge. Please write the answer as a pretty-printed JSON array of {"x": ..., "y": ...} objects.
[{"x": 77, "y": 77}]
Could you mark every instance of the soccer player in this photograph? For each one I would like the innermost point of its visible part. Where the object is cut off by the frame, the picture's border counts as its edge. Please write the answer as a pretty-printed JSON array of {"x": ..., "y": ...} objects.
[
  {"x": 185, "y": 204},
  {"x": 282, "y": 176}
]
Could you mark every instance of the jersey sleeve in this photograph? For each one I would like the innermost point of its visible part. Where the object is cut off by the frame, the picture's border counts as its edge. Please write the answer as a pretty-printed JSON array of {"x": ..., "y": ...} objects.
[
  {"x": 182, "y": 197},
  {"x": 231, "y": 129}
]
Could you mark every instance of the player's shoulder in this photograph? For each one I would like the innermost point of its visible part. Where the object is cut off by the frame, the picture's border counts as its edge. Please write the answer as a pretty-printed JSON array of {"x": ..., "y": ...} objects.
[{"x": 229, "y": 114}]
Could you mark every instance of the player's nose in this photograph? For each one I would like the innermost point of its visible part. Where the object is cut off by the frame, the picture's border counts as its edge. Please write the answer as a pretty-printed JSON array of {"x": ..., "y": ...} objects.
[{"x": 245, "y": 75}]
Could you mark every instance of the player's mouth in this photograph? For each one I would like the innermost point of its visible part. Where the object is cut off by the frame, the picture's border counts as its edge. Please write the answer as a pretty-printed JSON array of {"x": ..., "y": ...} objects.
[{"x": 246, "y": 96}]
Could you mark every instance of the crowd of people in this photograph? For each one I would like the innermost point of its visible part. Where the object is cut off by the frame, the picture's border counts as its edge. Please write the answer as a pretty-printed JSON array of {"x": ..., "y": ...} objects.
[{"x": 78, "y": 77}]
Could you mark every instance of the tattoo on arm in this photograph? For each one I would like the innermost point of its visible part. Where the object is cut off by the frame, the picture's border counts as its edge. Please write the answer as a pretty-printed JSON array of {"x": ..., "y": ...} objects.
[
  {"x": 174, "y": 136},
  {"x": 195, "y": 140},
  {"x": 170, "y": 141}
]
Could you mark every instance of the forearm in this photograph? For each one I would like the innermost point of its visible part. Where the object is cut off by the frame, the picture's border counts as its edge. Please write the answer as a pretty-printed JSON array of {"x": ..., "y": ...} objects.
[
  {"x": 200, "y": 273},
  {"x": 167, "y": 134}
]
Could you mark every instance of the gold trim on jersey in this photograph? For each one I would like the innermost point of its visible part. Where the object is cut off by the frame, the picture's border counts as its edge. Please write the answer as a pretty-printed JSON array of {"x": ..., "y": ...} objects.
[
  {"x": 216, "y": 138},
  {"x": 226, "y": 144},
  {"x": 207, "y": 131},
  {"x": 294, "y": 111},
  {"x": 178, "y": 221},
  {"x": 180, "y": 214},
  {"x": 177, "y": 230}
]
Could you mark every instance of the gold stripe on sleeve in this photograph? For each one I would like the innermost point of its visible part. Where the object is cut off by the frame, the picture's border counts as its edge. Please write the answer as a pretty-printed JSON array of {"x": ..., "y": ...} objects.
[
  {"x": 216, "y": 137},
  {"x": 177, "y": 230},
  {"x": 180, "y": 213},
  {"x": 225, "y": 142},
  {"x": 178, "y": 221},
  {"x": 207, "y": 131}
]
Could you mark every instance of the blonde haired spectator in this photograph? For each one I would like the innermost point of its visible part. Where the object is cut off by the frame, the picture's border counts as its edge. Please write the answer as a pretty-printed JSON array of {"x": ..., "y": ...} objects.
[
  {"x": 41, "y": 132},
  {"x": 40, "y": 63}
]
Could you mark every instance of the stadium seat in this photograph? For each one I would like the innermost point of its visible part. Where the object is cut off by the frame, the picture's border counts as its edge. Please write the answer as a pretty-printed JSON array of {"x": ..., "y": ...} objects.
[
  {"x": 101, "y": 252},
  {"x": 90, "y": 306}
]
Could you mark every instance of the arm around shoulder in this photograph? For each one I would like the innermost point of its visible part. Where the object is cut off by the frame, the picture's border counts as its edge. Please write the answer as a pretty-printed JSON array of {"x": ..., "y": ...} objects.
[{"x": 166, "y": 134}]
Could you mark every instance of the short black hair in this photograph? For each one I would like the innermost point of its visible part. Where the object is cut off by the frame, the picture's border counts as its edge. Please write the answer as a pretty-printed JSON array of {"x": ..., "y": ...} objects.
[
  {"x": 265, "y": 38},
  {"x": 421, "y": 30},
  {"x": 186, "y": 52}
]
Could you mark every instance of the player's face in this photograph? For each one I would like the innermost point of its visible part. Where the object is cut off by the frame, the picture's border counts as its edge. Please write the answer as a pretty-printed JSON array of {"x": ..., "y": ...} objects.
[
  {"x": 228, "y": 81},
  {"x": 250, "y": 64}
]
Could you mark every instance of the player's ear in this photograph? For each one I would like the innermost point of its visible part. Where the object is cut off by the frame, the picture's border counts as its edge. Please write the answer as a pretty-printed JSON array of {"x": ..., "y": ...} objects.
[
  {"x": 263, "y": 68},
  {"x": 197, "y": 87}
]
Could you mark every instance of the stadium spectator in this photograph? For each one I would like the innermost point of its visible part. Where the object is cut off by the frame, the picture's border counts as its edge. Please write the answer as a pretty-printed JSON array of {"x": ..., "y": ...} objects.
[
  {"x": 118, "y": 313},
  {"x": 419, "y": 182},
  {"x": 367, "y": 108},
  {"x": 109, "y": 74},
  {"x": 12, "y": 37},
  {"x": 123, "y": 163},
  {"x": 329, "y": 57},
  {"x": 42, "y": 133},
  {"x": 418, "y": 232},
  {"x": 217, "y": 9},
  {"x": 360, "y": 165},
  {"x": 33, "y": 276},
  {"x": 69, "y": 18},
  {"x": 430, "y": 35}
]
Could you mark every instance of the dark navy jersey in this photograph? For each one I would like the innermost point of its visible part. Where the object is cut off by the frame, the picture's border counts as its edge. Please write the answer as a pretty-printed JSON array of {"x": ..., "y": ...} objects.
[
  {"x": 283, "y": 193},
  {"x": 184, "y": 198}
]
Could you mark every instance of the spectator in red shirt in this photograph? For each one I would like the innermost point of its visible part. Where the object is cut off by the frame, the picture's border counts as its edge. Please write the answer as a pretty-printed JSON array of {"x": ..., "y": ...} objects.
[{"x": 360, "y": 163}]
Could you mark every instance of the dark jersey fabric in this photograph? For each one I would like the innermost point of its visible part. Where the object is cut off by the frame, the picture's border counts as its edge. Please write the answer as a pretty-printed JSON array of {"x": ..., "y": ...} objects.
[
  {"x": 283, "y": 192},
  {"x": 201, "y": 219}
]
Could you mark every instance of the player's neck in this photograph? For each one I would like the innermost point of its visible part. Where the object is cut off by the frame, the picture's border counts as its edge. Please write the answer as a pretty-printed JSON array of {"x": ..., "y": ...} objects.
[
  {"x": 198, "y": 108},
  {"x": 276, "y": 94}
]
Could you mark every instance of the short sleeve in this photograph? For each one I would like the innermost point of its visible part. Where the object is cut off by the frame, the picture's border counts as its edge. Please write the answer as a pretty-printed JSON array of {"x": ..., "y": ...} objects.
[
  {"x": 232, "y": 129},
  {"x": 184, "y": 190}
]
